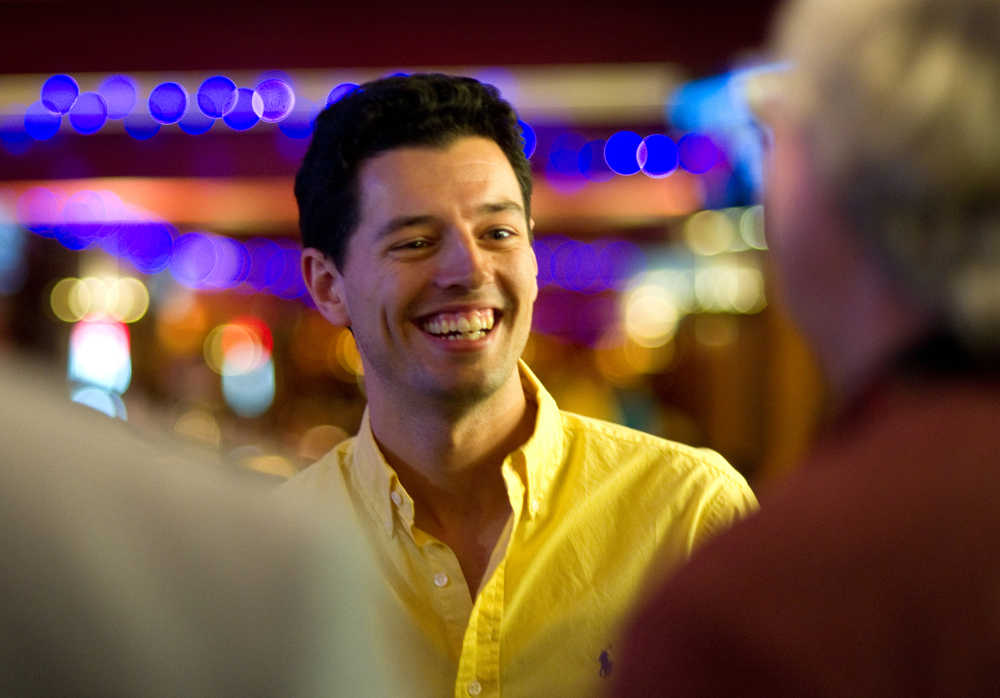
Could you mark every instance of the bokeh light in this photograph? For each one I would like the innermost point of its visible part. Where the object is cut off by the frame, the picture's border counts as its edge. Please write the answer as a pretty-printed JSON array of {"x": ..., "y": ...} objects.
[
  {"x": 625, "y": 363},
  {"x": 122, "y": 299},
  {"x": 13, "y": 136},
  {"x": 344, "y": 358},
  {"x": 194, "y": 122},
  {"x": 100, "y": 355},
  {"x": 261, "y": 252},
  {"x": 730, "y": 288},
  {"x": 564, "y": 155},
  {"x": 650, "y": 315},
  {"x": 530, "y": 139},
  {"x": 147, "y": 244},
  {"x": 273, "y": 100},
  {"x": 39, "y": 210},
  {"x": 576, "y": 266},
  {"x": 697, "y": 153},
  {"x": 621, "y": 152},
  {"x": 709, "y": 232},
  {"x": 242, "y": 116},
  {"x": 299, "y": 123},
  {"x": 119, "y": 93},
  {"x": 217, "y": 96},
  {"x": 59, "y": 93},
  {"x": 82, "y": 220},
  {"x": 250, "y": 393},
  {"x": 40, "y": 122},
  {"x": 181, "y": 324},
  {"x": 89, "y": 113},
  {"x": 270, "y": 464},
  {"x": 104, "y": 401},
  {"x": 232, "y": 263},
  {"x": 141, "y": 125},
  {"x": 657, "y": 155},
  {"x": 318, "y": 440},
  {"x": 238, "y": 347},
  {"x": 341, "y": 91},
  {"x": 592, "y": 164},
  {"x": 284, "y": 276},
  {"x": 167, "y": 102},
  {"x": 199, "y": 426},
  {"x": 13, "y": 269},
  {"x": 193, "y": 259},
  {"x": 752, "y": 227}
]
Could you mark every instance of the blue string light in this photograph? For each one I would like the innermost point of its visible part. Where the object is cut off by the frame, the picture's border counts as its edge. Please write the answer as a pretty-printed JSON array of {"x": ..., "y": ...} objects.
[
  {"x": 273, "y": 100},
  {"x": 658, "y": 155},
  {"x": 697, "y": 153},
  {"x": 620, "y": 152},
  {"x": 242, "y": 116},
  {"x": 119, "y": 95},
  {"x": 167, "y": 102},
  {"x": 530, "y": 139},
  {"x": 89, "y": 113},
  {"x": 341, "y": 91},
  {"x": 217, "y": 96},
  {"x": 59, "y": 93},
  {"x": 141, "y": 125},
  {"x": 194, "y": 122},
  {"x": 40, "y": 122}
]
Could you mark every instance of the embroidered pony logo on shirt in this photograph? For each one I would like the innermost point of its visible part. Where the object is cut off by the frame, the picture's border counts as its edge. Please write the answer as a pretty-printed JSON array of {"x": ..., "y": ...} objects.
[{"x": 606, "y": 663}]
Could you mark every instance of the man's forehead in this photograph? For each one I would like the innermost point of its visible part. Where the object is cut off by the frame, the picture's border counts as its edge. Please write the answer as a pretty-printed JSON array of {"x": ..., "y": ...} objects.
[{"x": 470, "y": 166}]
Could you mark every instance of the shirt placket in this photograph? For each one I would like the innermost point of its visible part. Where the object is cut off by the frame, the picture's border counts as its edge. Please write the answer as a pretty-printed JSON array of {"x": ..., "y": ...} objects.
[
  {"x": 479, "y": 665},
  {"x": 448, "y": 592}
]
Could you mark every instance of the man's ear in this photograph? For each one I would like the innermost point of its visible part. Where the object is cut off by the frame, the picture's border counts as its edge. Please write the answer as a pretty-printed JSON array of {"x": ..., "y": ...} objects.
[{"x": 326, "y": 286}]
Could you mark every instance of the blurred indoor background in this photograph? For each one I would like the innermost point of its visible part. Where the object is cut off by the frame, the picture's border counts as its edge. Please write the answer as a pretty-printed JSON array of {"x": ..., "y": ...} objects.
[{"x": 148, "y": 232}]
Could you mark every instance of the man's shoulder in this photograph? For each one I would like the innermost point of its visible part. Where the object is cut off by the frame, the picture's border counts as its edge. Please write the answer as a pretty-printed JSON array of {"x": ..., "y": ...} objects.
[
  {"x": 613, "y": 444},
  {"x": 328, "y": 472}
]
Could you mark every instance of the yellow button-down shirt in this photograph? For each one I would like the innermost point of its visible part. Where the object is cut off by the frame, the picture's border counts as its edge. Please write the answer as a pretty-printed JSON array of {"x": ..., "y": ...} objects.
[{"x": 600, "y": 511}]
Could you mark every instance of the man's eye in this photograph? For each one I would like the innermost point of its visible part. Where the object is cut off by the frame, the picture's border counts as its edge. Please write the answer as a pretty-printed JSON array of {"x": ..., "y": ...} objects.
[
  {"x": 500, "y": 234},
  {"x": 412, "y": 245}
]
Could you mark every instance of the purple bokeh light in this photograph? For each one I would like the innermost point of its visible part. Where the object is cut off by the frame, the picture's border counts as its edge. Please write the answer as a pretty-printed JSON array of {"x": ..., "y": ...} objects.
[
  {"x": 89, "y": 113},
  {"x": 242, "y": 116},
  {"x": 167, "y": 102},
  {"x": 40, "y": 122},
  {"x": 59, "y": 93},
  {"x": 217, "y": 96},
  {"x": 273, "y": 100},
  {"x": 119, "y": 95}
]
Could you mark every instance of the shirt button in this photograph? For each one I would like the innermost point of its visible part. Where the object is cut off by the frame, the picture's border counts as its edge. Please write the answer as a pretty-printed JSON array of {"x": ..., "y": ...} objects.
[
  {"x": 396, "y": 498},
  {"x": 474, "y": 688},
  {"x": 440, "y": 580}
]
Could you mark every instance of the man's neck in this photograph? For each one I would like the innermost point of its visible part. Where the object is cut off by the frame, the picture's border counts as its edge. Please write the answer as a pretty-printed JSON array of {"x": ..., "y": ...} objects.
[{"x": 449, "y": 462}]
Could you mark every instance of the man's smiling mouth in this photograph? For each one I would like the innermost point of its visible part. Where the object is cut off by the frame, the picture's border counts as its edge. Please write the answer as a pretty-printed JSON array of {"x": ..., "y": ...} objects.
[{"x": 468, "y": 325}]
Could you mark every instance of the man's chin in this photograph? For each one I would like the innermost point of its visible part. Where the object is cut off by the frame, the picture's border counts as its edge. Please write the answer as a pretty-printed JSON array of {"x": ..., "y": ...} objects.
[{"x": 467, "y": 388}]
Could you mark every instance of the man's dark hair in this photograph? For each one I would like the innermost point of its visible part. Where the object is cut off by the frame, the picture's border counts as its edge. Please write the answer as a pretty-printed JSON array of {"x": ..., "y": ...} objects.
[{"x": 393, "y": 112}]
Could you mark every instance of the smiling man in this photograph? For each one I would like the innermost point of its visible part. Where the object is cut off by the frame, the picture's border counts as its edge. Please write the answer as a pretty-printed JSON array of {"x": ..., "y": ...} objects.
[{"x": 514, "y": 536}]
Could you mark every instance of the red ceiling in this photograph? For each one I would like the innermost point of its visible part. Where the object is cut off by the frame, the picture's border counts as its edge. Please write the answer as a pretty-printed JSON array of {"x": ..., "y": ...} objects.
[{"x": 702, "y": 35}]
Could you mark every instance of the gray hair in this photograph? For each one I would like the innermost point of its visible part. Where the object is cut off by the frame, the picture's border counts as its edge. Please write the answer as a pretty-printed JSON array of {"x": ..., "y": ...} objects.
[{"x": 902, "y": 102}]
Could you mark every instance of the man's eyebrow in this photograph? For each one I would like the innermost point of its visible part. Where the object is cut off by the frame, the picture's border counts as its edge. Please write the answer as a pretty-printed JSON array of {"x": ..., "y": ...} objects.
[
  {"x": 500, "y": 207},
  {"x": 400, "y": 222}
]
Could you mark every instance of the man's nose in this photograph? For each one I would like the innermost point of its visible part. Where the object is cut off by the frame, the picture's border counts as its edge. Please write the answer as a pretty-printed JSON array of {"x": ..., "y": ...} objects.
[{"x": 462, "y": 262}]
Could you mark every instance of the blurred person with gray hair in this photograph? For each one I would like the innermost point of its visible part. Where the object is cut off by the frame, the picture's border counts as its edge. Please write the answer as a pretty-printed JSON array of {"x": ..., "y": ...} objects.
[
  {"x": 130, "y": 570},
  {"x": 874, "y": 570}
]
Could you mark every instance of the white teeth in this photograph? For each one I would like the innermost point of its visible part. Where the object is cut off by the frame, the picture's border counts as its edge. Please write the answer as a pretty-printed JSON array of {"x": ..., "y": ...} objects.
[
  {"x": 465, "y": 337},
  {"x": 471, "y": 325}
]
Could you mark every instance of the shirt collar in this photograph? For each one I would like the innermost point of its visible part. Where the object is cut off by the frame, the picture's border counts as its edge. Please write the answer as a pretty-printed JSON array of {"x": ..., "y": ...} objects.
[
  {"x": 377, "y": 481},
  {"x": 542, "y": 453},
  {"x": 535, "y": 462}
]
